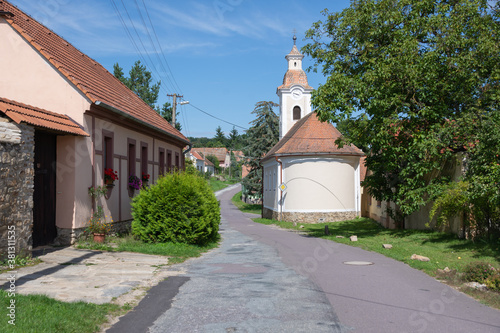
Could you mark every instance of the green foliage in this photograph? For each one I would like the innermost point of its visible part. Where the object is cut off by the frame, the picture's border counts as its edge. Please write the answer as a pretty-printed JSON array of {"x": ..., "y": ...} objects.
[
  {"x": 140, "y": 81},
  {"x": 411, "y": 82},
  {"x": 493, "y": 282},
  {"x": 220, "y": 137},
  {"x": 478, "y": 271},
  {"x": 244, "y": 207},
  {"x": 39, "y": 313},
  {"x": 98, "y": 221},
  {"x": 179, "y": 208},
  {"x": 215, "y": 161},
  {"x": 261, "y": 137},
  {"x": 452, "y": 202}
]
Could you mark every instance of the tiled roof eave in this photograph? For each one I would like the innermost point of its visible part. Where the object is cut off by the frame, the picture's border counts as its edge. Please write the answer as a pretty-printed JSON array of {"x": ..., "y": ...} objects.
[
  {"x": 128, "y": 116},
  {"x": 309, "y": 154}
]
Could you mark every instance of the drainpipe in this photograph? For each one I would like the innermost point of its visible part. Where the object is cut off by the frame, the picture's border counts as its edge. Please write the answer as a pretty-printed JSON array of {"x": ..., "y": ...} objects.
[
  {"x": 190, "y": 145},
  {"x": 262, "y": 192},
  {"x": 281, "y": 192}
]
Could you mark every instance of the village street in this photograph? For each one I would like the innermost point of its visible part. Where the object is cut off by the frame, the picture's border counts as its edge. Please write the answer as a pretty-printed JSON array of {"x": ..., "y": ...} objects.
[{"x": 263, "y": 279}]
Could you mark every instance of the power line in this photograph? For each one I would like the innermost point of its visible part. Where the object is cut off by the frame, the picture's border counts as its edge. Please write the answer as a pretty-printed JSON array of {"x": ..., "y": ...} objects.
[
  {"x": 161, "y": 49},
  {"x": 129, "y": 34},
  {"x": 208, "y": 114},
  {"x": 153, "y": 45}
]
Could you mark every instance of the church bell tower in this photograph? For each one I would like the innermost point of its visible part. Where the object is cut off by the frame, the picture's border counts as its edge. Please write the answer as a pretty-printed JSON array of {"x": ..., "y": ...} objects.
[{"x": 294, "y": 93}]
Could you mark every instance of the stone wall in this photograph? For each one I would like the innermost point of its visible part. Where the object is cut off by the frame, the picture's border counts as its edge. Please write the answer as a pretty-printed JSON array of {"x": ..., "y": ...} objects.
[
  {"x": 17, "y": 142},
  {"x": 313, "y": 217}
]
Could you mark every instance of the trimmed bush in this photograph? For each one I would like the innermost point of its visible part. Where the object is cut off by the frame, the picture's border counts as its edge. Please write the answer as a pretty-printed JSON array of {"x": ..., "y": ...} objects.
[
  {"x": 478, "y": 271},
  {"x": 493, "y": 282},
  {"x": 179, "y": 208}
]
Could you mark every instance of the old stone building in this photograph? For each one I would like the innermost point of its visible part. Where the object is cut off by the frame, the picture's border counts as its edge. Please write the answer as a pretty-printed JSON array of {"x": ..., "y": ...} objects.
[{"x": 64, "y": 121}]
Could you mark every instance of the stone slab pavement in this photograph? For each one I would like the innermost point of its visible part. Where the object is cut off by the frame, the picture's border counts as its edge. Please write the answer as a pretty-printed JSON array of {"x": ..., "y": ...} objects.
[{"x": 71, "y": 275}]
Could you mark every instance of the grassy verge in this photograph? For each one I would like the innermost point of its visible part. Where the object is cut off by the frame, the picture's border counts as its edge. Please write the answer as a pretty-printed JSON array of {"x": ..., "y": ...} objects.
[
  {"x": 37, "y": 313},
  {"x": 244, "y": 207},
  {"x": 217, "y": 185},
  {"x": 443, "y": 250},
  {"x": 177, "y": 252}
]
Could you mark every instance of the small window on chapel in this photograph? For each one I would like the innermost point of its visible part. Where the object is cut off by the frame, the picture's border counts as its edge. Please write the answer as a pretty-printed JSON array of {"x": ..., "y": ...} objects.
[{"x": 296, "y": 113}]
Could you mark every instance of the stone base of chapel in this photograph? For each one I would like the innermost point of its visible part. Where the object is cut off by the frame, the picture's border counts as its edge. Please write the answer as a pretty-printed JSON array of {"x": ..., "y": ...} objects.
[{"x": 312, "y": 217}]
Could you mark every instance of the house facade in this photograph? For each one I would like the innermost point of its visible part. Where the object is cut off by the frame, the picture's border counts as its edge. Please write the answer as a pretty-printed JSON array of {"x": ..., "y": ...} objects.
[
  {"x": 306, "y": 176},
  {"x": 200, "y": 162},
  {"x": 74, "y": 119}
]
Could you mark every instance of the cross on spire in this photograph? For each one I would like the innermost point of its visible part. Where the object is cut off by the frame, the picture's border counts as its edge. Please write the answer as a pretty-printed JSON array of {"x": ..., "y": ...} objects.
[{"x": 294, "y": 37}]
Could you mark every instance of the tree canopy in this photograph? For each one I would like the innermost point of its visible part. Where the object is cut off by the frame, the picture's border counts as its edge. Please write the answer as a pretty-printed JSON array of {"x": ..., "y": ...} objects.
[
  {"x": 140, "y": 81},
  {"x": 414, "y": 83},
  {"x": 261, "y": 137}
]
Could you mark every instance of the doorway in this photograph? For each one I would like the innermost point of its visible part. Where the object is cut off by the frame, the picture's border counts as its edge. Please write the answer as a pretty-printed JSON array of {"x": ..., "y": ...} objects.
[{"x": 44, "y": 197}]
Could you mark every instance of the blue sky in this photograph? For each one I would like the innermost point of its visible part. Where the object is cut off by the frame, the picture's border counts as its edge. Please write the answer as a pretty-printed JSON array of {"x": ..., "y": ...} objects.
[{"x": 222, "y": 55}]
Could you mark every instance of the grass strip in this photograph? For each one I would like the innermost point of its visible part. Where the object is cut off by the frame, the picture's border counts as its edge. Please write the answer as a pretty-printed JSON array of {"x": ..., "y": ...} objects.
[
  {"x": 39, "y": 313},
  {"x": 177, "y": 252},
  {"x": 244, "y": 207}
]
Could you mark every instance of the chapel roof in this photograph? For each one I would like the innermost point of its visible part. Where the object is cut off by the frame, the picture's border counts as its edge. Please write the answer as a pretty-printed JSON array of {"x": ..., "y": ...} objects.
[
  {"x": 294, "y": 76},
  {"x": 309, "y": 136},
  {"x": 84, "y": 73}
]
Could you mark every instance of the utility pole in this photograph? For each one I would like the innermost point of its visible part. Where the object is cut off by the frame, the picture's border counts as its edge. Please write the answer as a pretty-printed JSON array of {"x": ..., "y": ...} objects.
[{"x": 174, "y": 106}]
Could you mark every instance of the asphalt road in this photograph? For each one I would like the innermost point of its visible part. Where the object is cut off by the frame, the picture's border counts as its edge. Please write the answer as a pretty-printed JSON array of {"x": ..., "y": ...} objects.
[{"x": 263, "y": 279}]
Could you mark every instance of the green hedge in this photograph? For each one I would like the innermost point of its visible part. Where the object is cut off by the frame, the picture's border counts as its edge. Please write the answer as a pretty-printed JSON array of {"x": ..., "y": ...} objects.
[{"x": 179, "y": 208}]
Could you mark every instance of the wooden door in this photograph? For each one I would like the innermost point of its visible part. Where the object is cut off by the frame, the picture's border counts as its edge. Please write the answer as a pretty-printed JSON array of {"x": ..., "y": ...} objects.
[{"x": 44, "y": 198}]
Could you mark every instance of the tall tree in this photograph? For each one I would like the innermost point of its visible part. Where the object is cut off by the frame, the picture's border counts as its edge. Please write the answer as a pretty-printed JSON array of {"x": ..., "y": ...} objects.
[
  {"x": 261, "y": 137},
  {"x": 407, "y": 74},
  {"x": 139, "y": 81},
  {"x": 219, "y": 138},
  {"x": 233, "y": 140}
]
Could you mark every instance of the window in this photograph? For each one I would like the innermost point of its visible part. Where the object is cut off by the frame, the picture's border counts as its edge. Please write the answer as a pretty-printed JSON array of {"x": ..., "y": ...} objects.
[
  {"x": 162, "y": 161},
  {"x": 144, "y": 158},
  {"x": 131, "y": 157},
  {"x": 177, "y": 160},
  {"x": 169, "y": 160},
  {"x": 296, "y": 112},
  {"x": 107, "y": 149}
]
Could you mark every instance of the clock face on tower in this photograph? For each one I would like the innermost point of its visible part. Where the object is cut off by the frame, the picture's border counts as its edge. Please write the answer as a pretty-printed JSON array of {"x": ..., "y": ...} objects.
[{"x": 296, "y": 94}]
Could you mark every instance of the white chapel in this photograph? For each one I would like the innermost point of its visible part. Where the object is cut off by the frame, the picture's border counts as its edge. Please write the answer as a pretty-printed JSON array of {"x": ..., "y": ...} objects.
[{"x": 306, "y": 176}]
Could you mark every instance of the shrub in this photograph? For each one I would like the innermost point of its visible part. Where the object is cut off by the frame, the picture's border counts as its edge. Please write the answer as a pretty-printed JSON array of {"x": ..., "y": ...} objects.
[
  {"x": 478, "y": 271},
  {"x": 179, "y": 208},
  {"x": 493, "y": 282}
]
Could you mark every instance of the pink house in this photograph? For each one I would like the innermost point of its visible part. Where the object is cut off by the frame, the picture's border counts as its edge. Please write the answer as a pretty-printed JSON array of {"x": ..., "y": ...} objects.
[{"x": 64, "y": 119}]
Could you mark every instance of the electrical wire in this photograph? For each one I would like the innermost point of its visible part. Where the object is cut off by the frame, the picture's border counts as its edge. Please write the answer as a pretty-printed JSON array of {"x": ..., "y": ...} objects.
[
  {"x": 161, "y": 49},
  {"x": 208, "y": 114}
]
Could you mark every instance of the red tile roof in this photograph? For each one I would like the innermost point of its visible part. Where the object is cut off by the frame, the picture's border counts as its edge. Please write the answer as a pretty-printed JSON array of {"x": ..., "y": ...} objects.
[
  {"x": 220, "y": 153},
  {"x": 295, "y": 76},
  {"x": 86, "y": 74},
  {"x": 295, "y": 51},
  {"x": 196, "y": 155},
  {"x": 309, "y": 136},
  {"x": 19, "y": 112}
]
